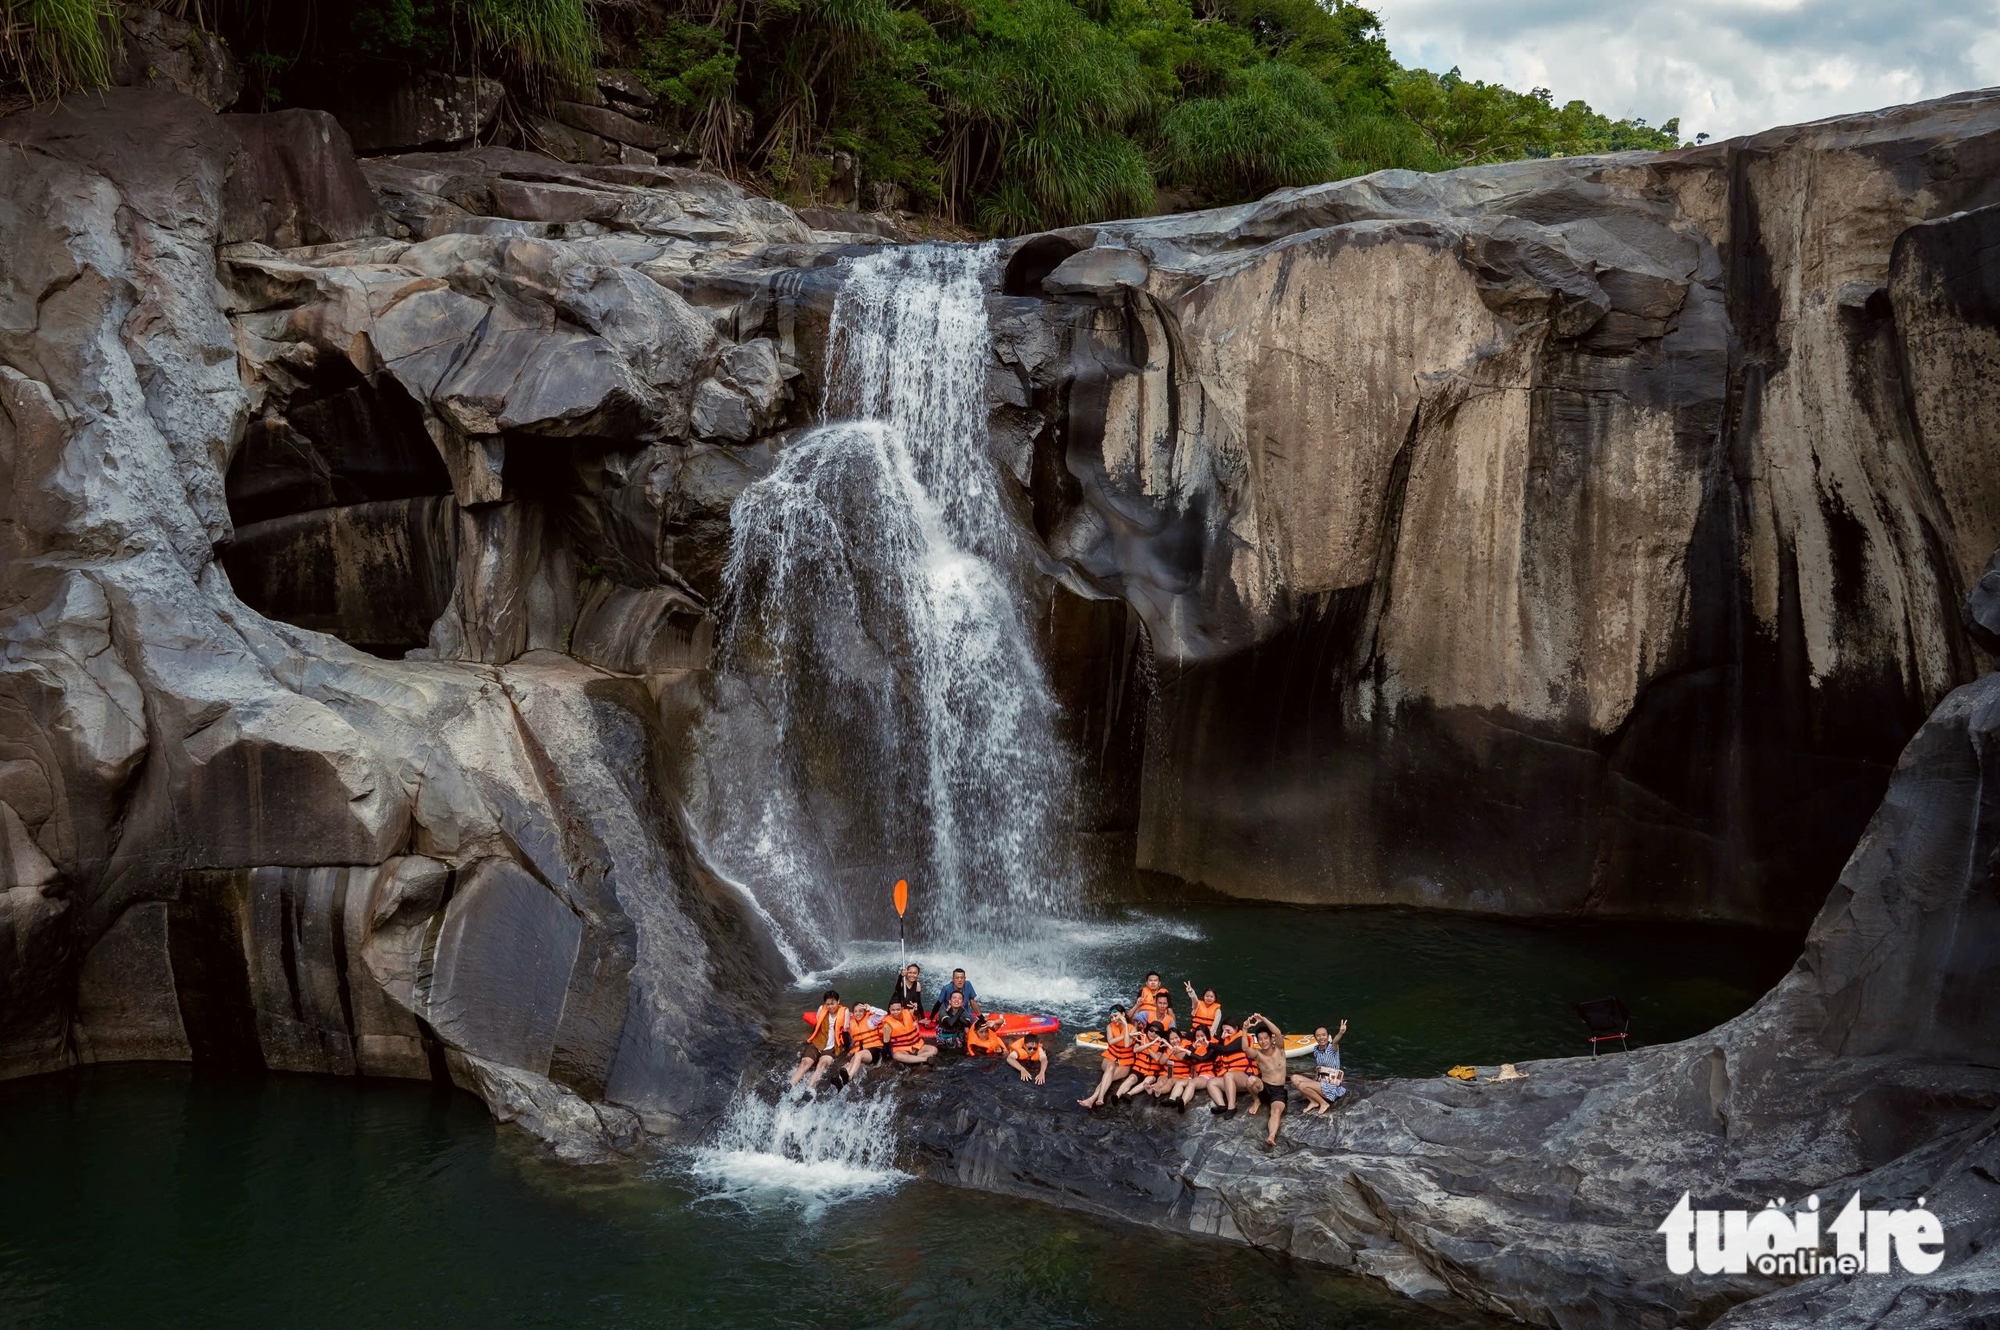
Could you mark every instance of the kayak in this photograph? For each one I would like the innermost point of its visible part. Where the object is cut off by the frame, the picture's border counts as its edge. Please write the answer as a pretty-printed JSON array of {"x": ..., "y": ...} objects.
[
  {"x": 1012, "y": 1024},
  {"x": 1296, "y": 1045}
]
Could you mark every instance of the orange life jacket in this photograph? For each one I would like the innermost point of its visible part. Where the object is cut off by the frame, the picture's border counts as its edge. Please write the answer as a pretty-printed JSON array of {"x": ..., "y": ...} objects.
[
  {"x": 1180, "y": 1063},
  {"x": 1146, "y": 1064},
  {"x": 1115, "y": 1033},
  {"x": 828, "y": 1027},
  {"x": 985, "y": 1041},
  {"x": 1237, "y": 1061},
  {"x": 903, "y": 1034},
  {"x": 1204, "y": 1058},
  {"x": 867, "y": 1034},
  {"x": 1025, "y": 1051},
  {"x": 1204, "y": 1012}
]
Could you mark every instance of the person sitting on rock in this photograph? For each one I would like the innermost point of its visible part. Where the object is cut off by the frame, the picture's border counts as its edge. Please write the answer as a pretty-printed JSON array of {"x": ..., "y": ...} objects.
[
  {"x": 1206, "y": 1013},
  {"x": 823, "y": 1045},
  {"x": 1144, "y": 1010},
  {"x": 867, "y": 1035},
  {"x": 1180, "y": 1070},
  {"x": 1328, "y": 1081},
  {"x": 906, "y": 1041},
  {"x": 1201, "y": 1066},
  {"x": 1148, "y": 1065},
  {"x": 984, "y": 1039},
  {"x": 1027, "y": 1052},
  {"x": 1233, "y": 1069},
  {"x": 1117, "y": 1057},
  {"x": 1270, "y": 1082},
  {"x": 955, "y": 1022}
]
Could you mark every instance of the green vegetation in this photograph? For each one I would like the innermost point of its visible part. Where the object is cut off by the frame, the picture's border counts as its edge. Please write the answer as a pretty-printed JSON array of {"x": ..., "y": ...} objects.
[
  {"x": 1020, "y": 114},
  {"x": 52, "y": 46},
  {"x": 1008, "y": 115}
]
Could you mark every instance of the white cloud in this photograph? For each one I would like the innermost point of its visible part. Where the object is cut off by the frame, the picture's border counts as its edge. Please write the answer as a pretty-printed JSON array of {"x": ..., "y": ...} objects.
[{"x": 1724, "y": 66}]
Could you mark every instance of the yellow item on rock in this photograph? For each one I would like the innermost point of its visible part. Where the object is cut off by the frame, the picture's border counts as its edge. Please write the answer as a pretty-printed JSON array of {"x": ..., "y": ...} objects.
[{"x": 1462, "y": 1073}]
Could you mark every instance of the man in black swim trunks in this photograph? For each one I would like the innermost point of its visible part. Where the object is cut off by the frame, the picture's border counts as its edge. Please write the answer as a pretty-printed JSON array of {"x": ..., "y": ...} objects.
[{"x": 1271, "y": 1081}]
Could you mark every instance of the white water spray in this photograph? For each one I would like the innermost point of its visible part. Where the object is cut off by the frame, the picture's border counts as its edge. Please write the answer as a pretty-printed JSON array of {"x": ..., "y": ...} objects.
[
  {"x": 870, "y": 594},
  {"x": 818, "y": 1151}
]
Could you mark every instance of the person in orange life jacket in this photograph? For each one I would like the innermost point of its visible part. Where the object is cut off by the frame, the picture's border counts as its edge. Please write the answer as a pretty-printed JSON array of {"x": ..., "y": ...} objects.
[
  {"x": 955, "y": 1022},
  {"x": 909, "y": 988},
  {"x": 906, "y": 1041},
  {"x": 984, "y": 1039},
  {"x": 824, "y": 1044},
  {"x": 1147, "y": 1064},
  {"x": 1207, "y": 1011},
  {"x": 963, "y": 987},
  {"x": 1150, "y": 1007},
  {"x": 868, "y": 1034},
  {"x": 1328, "y": 1082},
  {"x": 1026, "y": 1052},
  {"x": 1117, "y": 1058},
  {"x": 1233, "y": 1068}
]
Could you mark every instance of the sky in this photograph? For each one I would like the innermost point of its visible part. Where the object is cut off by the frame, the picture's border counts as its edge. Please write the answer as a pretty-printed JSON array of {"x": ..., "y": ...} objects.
[{"x": 1726, "y": 67}]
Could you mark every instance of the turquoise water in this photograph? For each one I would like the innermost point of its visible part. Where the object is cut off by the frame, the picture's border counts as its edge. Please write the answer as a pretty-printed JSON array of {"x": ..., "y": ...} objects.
[{"x": 151, "y": 1195}]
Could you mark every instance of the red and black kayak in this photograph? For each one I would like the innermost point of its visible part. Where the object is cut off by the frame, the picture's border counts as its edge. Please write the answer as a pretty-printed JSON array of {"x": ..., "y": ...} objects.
[{"x": 1012, "y": 1024}]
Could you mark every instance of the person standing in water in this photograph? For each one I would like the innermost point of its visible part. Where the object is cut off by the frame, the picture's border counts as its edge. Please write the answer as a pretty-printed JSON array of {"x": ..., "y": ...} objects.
[
  {"x": 822, "y": 1046},
  {"x": 1272, "y": 1080}
]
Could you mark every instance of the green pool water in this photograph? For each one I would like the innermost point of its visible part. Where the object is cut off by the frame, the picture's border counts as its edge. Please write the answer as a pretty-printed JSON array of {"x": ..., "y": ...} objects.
[
  {"x": 152, "y": 1195},
  {"x": 1420, "y": 991}
]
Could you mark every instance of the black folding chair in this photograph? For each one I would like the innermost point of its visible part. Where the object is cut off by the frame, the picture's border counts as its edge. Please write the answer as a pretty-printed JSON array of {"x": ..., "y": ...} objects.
[{"x": 1608, "y": 1020}]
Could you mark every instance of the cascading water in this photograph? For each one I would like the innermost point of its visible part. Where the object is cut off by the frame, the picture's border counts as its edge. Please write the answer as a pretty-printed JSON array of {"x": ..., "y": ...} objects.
[
  {"x": 902, "y": 726},
  {"x": 873, "y": 596}
]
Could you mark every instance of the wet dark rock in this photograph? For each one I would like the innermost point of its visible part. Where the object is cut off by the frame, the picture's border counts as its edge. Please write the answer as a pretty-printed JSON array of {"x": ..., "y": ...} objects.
[
  {"x": 430, "y": 110},
  {"x": 609, "y": 124}
]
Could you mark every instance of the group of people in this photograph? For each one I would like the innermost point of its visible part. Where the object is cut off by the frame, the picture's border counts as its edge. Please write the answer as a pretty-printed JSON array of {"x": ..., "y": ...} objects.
[
  {"x": 847, "y": 1040},
  {"x": 1145, "y": 1052}
]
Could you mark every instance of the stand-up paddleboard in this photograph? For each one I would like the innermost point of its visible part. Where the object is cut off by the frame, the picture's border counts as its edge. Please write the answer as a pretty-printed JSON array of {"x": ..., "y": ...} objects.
[
  {"x": 1296, "y": 1045},
  {"x": 1012, "y": 1025}
]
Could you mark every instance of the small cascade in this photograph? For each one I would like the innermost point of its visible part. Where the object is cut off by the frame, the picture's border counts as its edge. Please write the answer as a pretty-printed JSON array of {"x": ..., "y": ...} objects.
[
  {"x": 832, "y": 1147},
  {"x": 875, "y": 606}
]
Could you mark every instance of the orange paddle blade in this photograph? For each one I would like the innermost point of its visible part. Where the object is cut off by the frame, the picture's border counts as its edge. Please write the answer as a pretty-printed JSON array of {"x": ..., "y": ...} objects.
[{"x": 902, "y": 897}]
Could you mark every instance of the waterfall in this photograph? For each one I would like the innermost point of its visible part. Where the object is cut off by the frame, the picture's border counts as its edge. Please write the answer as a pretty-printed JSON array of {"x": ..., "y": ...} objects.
[
  {"x": 831, "y": 1148},
  {"x": 874, "y": 603}
]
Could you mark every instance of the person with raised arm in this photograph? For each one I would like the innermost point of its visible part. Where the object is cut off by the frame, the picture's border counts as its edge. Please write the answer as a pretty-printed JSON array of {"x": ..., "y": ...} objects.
[
  {"x": 1271, "y": 1080},
  {"x": 1206, "y": 1013},
  {"x": 1328, "y": 1082}
]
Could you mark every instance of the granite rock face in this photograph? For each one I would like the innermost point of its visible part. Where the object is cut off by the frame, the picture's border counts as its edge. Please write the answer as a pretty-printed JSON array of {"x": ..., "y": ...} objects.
[
  {"x": 1873, "y": 1067},
  {"x": 1574, "y": 536},
  {"x": 226, "y": 388}
]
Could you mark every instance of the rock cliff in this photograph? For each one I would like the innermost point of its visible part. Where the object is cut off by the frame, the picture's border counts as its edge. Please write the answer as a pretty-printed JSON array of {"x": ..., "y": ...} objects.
[
  {"x": 1570, "y": 536},
  {"x": 1564, "y": 536}
]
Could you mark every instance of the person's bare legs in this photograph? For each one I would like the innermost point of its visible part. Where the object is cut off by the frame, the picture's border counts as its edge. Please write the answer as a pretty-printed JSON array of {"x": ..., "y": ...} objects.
[
  {"x": 1096, "y": 1097},
  {"x": 825, "y": 1061},
  {"x": 1309, "y": 1087},
  {"x": 1277, "y": 1116},
  {"x": 1256, "y": 1088}
]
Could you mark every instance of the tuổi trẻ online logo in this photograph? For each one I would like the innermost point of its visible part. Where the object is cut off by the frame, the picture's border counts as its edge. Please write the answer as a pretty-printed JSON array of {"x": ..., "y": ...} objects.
[{"x": 1775, "y": 1242}]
